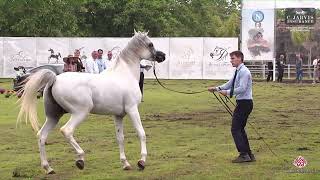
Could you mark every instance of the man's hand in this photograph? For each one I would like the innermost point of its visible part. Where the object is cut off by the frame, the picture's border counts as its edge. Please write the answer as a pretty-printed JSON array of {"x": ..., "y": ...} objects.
[
  {"x": 212, "y": 89},
  {"x": 223, "y": 92}
]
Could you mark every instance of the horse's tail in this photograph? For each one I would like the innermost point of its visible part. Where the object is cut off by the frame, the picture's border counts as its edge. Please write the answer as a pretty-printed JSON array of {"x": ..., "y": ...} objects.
[{"x": 28, "y": 100}]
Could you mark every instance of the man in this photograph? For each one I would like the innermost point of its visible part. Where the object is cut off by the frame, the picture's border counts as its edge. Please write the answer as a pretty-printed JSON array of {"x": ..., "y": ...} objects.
[
  {"x": 240, "y": 86},
  {"x": 100, "y": 61},
  {"x": 315, "y": 69},
  {"x": 91, "y": 63},
  {"x": 80, "y": 67},
  {"x": 280, "y": 66},
  {"x": 109, "y": 62}
]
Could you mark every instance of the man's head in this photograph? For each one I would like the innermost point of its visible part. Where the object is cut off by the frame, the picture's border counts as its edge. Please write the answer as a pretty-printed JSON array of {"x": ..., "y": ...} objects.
[
  {"x": 76, "y": 53},
  {"x": 281, "y": 56},
  {"x": 94, "y": 54},
  {"x": 109, "y": 55},
  {"x": 236, "y": 58},
  {"x": 100, "y": 53}
]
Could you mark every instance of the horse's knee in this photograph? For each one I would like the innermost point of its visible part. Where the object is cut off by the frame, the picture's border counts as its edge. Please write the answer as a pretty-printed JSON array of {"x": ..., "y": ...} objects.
[
  {"x": 67, "y": 132},
  {"x": 142, "y": 136}
]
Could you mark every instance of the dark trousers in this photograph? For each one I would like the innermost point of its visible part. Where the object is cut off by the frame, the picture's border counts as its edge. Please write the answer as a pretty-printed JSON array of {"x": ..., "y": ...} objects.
[
  {"x": 239, "y": 121},
  {"x": 280, "y": 75},
  {"x": 141, "y": 81},
  {"x": 270, "y": 76}
]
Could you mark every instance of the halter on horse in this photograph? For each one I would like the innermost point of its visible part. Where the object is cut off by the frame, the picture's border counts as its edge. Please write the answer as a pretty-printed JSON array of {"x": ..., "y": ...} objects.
[{"x": 113, "y": 92}]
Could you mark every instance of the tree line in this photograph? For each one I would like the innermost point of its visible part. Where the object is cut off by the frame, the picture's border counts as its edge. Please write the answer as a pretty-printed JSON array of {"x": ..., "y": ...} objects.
[{"x": 118, "y": 18}]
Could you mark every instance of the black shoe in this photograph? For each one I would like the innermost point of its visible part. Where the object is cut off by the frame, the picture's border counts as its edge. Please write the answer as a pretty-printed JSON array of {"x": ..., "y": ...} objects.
[
  {"x": 252, "y": 157},
  {"x": 242, "y": 158}
]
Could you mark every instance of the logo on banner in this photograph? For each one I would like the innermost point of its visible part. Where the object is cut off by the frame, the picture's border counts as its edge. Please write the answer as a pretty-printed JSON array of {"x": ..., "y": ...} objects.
[
  {"x": 53, "y": 56},
  {"x": 187, "y": 57},
  {"x": 300, "y": 16},
  {"x": 300, "y": 162},
  {"x": 20, "y": 57},
  {"x": 257, "y": 16},
  {"x": 219, "y": 54}
]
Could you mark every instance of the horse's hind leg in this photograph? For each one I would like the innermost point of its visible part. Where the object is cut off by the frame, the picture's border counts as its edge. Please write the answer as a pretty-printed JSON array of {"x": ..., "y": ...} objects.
[
  {"x": 53, "y": 114},
  {"x": 42, "y": 135},
  {"x": 135, "y": 118},
  {"x": 68, "y": 130},
  {"x": 118, "y": 120}
]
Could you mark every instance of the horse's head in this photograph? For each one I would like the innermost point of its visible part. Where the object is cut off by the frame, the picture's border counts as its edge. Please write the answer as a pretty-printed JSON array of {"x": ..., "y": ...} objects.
[{"x": 144, "y": 48}]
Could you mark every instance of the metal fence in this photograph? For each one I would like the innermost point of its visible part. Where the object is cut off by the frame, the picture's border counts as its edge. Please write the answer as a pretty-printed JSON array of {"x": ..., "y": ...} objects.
[{"x": 260, "y": 71}]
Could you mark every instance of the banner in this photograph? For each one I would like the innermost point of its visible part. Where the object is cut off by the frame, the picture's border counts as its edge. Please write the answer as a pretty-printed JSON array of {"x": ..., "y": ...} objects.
[
  {"x": 1, "y": 57},
  {"x": 216, "y": 59},
  {"x": 186, "y": 58},
  {"x": 257, "y": 34},
  {"x": 52, "y": 50},
  {"x": 162, "y": 69},
  {"x": 18, "y": 52}
]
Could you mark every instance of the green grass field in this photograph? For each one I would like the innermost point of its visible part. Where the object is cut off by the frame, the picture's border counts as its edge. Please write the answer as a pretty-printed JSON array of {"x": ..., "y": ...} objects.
[{"x": 188, "y": 137}]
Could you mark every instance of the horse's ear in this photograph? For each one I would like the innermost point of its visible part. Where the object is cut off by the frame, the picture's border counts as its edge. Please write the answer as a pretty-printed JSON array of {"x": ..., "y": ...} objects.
[
  {"x": 147, "y": 33},
  {"x": 135, "y": 32}
]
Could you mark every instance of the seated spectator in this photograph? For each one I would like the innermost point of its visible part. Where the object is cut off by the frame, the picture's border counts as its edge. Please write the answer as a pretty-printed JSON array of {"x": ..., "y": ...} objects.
[
  {"x": 100, "y": 61},
  {"x": 80, "y": 67},
  {"x": 70, "y": 64}
]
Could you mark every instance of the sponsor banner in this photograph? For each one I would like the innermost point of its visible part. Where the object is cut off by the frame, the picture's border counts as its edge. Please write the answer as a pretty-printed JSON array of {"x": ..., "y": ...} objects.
[
  {"x": 185, "y": 58},
  {"x": 216, "y": 59},
  {"x": 162, "y": 69},
  {"x": 257, "y": 34},
  {"x": 52, "y": 50},
  {"x": 18, "y": 51},
  {"x": 300, "y": 16},
  {"x": 1, "y": 57}
]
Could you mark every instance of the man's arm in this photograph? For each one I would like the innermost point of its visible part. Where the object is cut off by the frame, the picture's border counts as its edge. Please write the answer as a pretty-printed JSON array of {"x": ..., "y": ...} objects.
[{"x": 246, "y": 77}]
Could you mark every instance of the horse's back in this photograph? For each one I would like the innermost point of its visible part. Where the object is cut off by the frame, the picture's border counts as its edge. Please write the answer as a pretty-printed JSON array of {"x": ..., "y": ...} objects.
[{"x": 103, "y": 94}]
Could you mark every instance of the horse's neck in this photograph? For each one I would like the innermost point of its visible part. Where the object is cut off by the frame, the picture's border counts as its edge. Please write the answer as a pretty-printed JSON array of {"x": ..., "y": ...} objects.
[{"x": 128, "y": 62}]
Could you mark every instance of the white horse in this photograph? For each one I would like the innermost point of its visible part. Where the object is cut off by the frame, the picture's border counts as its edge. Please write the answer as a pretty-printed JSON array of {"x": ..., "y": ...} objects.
[{"x": 114, "y": 92}]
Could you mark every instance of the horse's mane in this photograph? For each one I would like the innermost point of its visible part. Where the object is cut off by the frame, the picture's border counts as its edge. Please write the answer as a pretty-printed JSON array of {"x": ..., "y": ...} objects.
[{"x": 136, "y": 42}]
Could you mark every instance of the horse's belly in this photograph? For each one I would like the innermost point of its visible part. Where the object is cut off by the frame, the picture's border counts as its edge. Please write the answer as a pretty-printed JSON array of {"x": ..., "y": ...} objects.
[{"x": 105, "y": 110}]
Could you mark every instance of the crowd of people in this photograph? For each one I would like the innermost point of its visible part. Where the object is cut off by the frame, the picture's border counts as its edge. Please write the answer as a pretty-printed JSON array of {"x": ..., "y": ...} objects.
[
  {"x": 95, "y": 64},
  {"x": 280, "y": 66}
]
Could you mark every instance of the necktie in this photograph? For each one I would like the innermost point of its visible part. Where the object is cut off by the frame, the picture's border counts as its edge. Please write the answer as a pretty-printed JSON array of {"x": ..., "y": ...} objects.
[{"x": 233, "y": 81}]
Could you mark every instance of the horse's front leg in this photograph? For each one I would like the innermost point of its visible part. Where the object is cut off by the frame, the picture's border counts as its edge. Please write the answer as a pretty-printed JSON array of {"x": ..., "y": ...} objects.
[
  {"x": 136, "y": 121},
  {"x": 118, "y": 121}
]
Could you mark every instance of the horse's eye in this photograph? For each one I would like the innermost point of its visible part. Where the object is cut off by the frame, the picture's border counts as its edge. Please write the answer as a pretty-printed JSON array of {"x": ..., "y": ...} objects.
[{"x": 150, "y": 45}]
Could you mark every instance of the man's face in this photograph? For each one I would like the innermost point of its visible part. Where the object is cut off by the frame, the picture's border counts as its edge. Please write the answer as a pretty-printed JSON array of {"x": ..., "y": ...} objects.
[
  {"x": 100, "y": 53},
  {"x": 77, "y": 54},
  {"x": 235, "y": 61},
  {"x": 94, "y": 55},
  {"x": 109, "y": 56}
]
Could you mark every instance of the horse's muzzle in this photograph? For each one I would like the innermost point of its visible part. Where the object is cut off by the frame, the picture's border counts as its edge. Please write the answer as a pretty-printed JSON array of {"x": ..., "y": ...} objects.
[{"x": 160, "y": 56}]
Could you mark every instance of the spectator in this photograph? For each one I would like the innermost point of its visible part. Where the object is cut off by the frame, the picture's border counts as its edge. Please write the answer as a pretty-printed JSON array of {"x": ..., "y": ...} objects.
[
  {"x": 280, "y": 67},
  {"x": 69, "y": 64},
  {"x": 91, "y": 63},
  {"x": 109, "y": 61},
  {"x": 316, "y": 72},
  {"x": 299, "y": 71},
  {"x": 80, "y": 67},
  {"x": 100, "y": 61},
  {"x": 143, "y": 66},
  {"x": 270, "y": 72}
]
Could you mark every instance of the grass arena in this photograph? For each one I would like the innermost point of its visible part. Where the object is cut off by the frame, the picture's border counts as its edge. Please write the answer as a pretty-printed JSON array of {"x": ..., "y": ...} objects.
[{"x": 188, "y": 137}]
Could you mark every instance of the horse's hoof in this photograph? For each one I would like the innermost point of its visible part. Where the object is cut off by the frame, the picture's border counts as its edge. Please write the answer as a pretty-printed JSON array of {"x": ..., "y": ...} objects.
[
  {"x": 127, "y": 168},
  {"x": 141, "y": 164},
  {"x": 51, "y": 172},
  {"x": 80, "y": 164}
]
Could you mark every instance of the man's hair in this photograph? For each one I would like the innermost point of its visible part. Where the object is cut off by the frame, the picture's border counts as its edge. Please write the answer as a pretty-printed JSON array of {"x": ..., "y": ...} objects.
[
  {"x": 100, "y": 50},
  {"x": 238, "y": 54}
]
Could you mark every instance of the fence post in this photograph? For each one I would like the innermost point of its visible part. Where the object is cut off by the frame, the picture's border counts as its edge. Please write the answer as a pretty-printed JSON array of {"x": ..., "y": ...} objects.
[
  {"x": 274, "y": 68},
  {"x": 264, "y": 71},
  {"x": 288, "y": 71}
]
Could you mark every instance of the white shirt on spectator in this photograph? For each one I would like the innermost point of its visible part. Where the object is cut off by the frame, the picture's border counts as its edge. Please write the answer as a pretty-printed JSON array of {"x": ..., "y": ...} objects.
[
  {"x": 91, "y": 66},
  {"x": 315, "y": 62}
]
